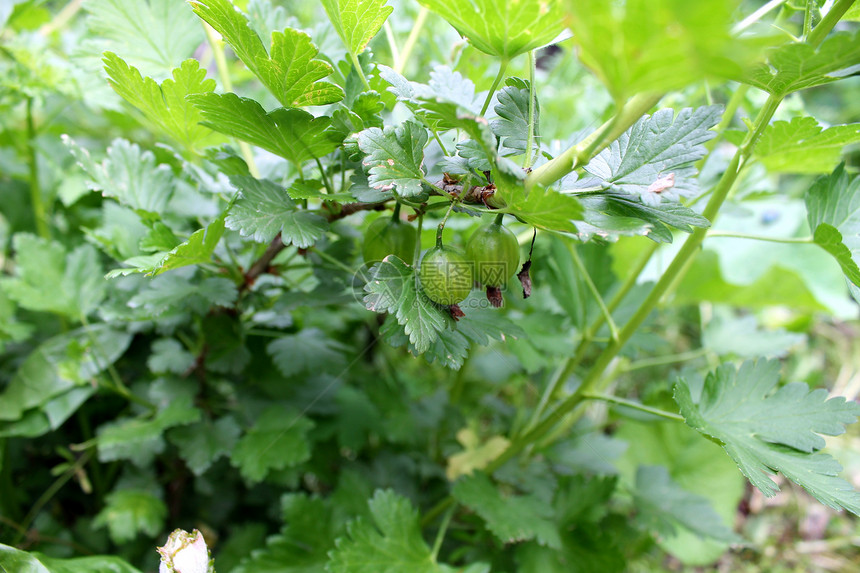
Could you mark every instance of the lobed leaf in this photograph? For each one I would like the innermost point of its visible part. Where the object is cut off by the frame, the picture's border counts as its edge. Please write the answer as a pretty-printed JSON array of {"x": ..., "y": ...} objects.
[
  {"x": 357, "y": 21},
  {"x": 128, "y": 512},
  {"x": 127, "y": 174},
  {"x": 202, "y": 443},
  {"x": 42, "y": 265},
  {"x": 392, "y": 543},
  {"x": 512, "y": 125},
  {"x": 797, "y": 65},
  {"x": 654, "y": 159},
  {"x": 665, "y": 505},
  {"x": 803, "y": 146},
  {"x": 293, "y": 134},
  {"x": 656, "y": 45},
  {"x": 277, "y": 440},
  {"x": 394, "y": 157},
  {"x": 291, "y": 72},
  {"x": 152, "y": 35},
  {"x": 265, "y": 209},
  {"x": 765, "y": 429},
  {"x": 165, "y": 105},
  {"x": 511, "y": 518},
  {"x": 139, "y": 440},
  {"x": 833, "y": 206},
  {"x": 503, "y": 28}
]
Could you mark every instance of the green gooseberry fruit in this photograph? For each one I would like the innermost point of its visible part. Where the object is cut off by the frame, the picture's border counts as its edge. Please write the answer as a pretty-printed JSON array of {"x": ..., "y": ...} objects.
[
  {"x": 495, "y": 252},
  {"x": 446, "y": 275},
  {"x": 387, "y": 236}
]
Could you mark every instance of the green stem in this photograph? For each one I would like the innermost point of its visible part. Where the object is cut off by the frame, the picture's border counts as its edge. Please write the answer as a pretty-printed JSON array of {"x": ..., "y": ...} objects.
[
  {"x": 564, "y": 371},
  {"x": 35, "y": 188},
  {"x": 787, "y": 240},
  {"x": 503, "y": 66},
  {"x": 117, "y": 385},
  {"x": 417, "y": 256},
  {"x": 634, "y": 405},
  {"x": 331, "y": 260},
  {"x": 441, "y": 226},
  {"x": 217, "y": 46},
  {"x": 756, "y": 16},
  {"x": 49, "y": 493},
  {"x": 328, "y": 188},
  {"x": 607, "y": 315},
  {"x": 530, "y": 139},
  {"x": 437, "y": 510},
  {"x": 582, "y": 152},
  {"x": 807, "y": 20},
  {"x": 411, "y": 40},
  {"x": 62, "y": 18},
  {"x": 392, "y": 43},
  {"x": 440, "y": 535},
  {"x": 664, "y": 360},
  {"x": 828, "y": 22},
  {"x": 357, "y": 65},
  {"x": 439, "y": 141},
  {"x": 732, "y": 106}
]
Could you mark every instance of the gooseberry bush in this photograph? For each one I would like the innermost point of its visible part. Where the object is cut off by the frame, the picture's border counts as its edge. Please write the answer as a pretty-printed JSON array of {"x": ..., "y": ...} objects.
[{"x": 428, "y": 286}]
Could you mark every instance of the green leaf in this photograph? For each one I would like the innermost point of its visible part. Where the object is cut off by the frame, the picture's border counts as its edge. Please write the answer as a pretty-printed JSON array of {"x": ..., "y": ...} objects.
[
  {"x": 585, "y": 550},
  {"x": 766, "y": 430},
  {"x": 293, "y": 134},
  {"x": 654, "y": 159},
  {"x": 394, "y": 157},
  {"x": 803, "y": 146},
  {"x": 512, "y": 125},
  {"x": 743, "y": 336},
  {"x": 391, "y": 544},
  {"x": 42, "y": 265},
  {"x": 290, "y": 72},
  {"x": 198, "y": 249},
  {"x": 265, "y": 209},
  {"x": 59, "y": 366},
  {"x": 833, "y": 206},
  {"x": 695, "y": 463},
  {"x": 392, "y": 287},
  {"x": 611, "y": 214},
  {"x": 12, "y": 559},
  {"x": 127, "y": 174},
  {"x": 303, "y": 543},
  {"x": 165, "y": 105},
  {"x": 169, "y": 355},
  {"x": 656, "y": 45},
  {"x": 277, "y": 440},
  {"x": 201, "y": 443},
  {"x": 128, "y": 512},
  {"x": 547, "y": 209},
  {"x": 776, "y": 281},
  {"x": 356, "y": 21},
  {"x": 139, "y": 440},
  {"x": 309, "y": 351},
  {"x": 796, "y": 65},
  {"x": 665, "y": 505},
  {"x": 11, "y": 329},
  {"x": 175, "y": 292},
  {"x": 152, "y": 35},
  {"x": 511, "y": 518},
  {"x": 503, "y": 28}
]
